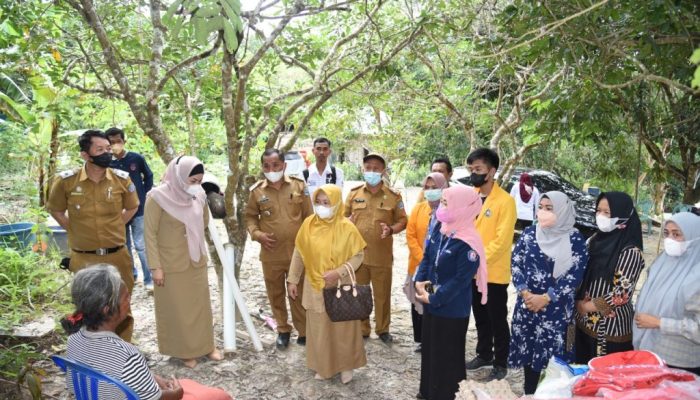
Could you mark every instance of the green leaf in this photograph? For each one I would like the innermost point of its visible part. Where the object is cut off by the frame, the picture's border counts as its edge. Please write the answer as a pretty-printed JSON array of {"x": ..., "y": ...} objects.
[
  {"x": 230, "y": 37},
  {"x": 695, "y": 58}
]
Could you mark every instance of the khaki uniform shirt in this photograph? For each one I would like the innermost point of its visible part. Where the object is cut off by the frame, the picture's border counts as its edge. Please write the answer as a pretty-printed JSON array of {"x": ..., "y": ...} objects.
[
  {"x": 94, "y": 209},
  {"x": 280, "y": 212},
  {"x": 368, "y": 210}
]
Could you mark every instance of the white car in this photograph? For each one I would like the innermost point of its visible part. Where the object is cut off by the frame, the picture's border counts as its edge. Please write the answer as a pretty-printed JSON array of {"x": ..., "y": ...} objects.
[{"x": 295, "y": 164}]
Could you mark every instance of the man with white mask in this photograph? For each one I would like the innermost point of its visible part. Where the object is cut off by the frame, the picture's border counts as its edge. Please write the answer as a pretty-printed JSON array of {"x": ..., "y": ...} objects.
[
  {"x": 378, "y": 213},
  {"x": 276, "y": 208}
]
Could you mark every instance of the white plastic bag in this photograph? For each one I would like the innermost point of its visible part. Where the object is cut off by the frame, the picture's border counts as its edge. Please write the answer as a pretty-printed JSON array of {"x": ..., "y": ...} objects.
[{"x": 558, "y": 381}]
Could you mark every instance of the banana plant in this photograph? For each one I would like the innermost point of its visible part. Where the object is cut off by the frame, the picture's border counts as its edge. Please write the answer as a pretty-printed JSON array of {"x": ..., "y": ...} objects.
[{"x": 207, "y": 17}]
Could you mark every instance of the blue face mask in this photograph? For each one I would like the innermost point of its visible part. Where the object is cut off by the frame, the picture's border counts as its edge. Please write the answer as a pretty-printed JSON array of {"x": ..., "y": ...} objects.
[
  {"x": 433, "y": 194},
  {"x": 372, "y": 178}
]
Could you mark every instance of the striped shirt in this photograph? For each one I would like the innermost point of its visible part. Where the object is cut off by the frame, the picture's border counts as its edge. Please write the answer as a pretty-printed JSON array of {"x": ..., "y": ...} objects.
[
  {"x": 613, "y": 299},
  {"x": 109, "y": 354}
]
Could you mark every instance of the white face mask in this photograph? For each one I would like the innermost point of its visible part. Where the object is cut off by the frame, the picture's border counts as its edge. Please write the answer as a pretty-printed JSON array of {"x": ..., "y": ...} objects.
[
  {"x": 675, "y": 248},
  {"x": 193, "y": 189},
  {"x": 606, "y": 224},
  {"x": 274, "y": 176},
  {"x": 324, "y": 212}
]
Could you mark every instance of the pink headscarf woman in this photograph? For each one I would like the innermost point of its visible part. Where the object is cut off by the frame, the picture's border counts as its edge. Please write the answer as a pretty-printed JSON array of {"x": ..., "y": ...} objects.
[
  {"x": 464, "y": 206},
  {"x": 183, "y": 201}
]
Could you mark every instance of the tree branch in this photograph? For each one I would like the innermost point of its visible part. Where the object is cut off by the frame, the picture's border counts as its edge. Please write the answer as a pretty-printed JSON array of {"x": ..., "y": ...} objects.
[{"x": 186, "y": 63}]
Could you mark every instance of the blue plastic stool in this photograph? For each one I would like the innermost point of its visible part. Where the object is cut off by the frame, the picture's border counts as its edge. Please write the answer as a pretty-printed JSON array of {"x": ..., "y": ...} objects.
[{"x": 86, "y": 379}]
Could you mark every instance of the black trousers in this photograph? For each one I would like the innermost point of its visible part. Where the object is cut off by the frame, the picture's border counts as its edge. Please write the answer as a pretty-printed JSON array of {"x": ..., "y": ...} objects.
[
  {"x": 587, "y": 347},
  {"x": 417, "y": 320},
  {"x": 532, "y": 379},
  {"x": 493, "y": 333},
  {"x": 442, "y": 356}
]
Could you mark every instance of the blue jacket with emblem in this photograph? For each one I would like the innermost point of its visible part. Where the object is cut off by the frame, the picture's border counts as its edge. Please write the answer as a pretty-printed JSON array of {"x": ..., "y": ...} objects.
[
  {"x": 451, "y": 276},
  {"x": 139, "y": 172}
]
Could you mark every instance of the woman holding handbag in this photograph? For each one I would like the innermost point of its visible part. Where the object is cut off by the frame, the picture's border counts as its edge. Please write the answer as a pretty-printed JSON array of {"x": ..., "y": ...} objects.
[
  {"x": 453, "y": 256},
  {"x": 328, "y": 248}
]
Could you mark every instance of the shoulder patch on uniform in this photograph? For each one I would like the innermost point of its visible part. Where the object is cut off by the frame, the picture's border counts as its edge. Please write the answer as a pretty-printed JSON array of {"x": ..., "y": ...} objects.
[
  {"x": 67, "y": 173},
  {"x": 132, "y": 188},
  {"x": 256, "y": 184},
  {"x": 400, "y": 205},
  {"x": 120, "y": 173},
  {"x": 306, "y": 191},
  {"x": 358, "y": 187},
  {"x": 472, "y": 255},
  {"x": 394, "y": 191}
]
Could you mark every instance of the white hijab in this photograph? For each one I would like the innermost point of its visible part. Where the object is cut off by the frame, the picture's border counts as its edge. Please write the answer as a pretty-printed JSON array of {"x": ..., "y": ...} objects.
[
  {"x": 554, "y": 241},
  {"x": 672, "y": 281}
]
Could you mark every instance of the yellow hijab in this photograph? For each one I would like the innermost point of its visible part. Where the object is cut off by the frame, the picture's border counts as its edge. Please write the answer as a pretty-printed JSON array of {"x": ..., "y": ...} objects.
[{"x": 325, "y": 244}]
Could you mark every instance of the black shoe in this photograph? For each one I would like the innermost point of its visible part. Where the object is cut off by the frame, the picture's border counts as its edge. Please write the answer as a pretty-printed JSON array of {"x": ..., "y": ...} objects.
[
  {"x": 365, "y": 337},
  {"x": 386, "y": 338},
  {"x": 497, "y": 373},
  {"x": 301, "y": 340},
  {"x": 478, "y": 363},
  {"x": 283, "y": 340},
  {"x": 419, "y": 348},
  {"x": 420, "y": 396}
]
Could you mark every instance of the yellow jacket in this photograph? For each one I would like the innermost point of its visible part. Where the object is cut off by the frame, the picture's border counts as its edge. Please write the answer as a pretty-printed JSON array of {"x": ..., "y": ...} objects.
[
  {"x": 416, "y": 229},
  {"x": 496, "y": 224}
]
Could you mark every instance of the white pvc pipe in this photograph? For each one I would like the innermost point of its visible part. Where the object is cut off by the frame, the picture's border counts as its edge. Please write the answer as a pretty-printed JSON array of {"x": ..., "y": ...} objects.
[
  {"x": 230, "y": 282},
  {"x": 240, "y": 302},
  {"x": 229, "y": 307}
]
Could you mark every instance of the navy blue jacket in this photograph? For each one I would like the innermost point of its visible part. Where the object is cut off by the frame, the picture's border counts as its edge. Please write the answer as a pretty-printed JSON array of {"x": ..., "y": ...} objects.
[
  {"x": 452, "y": 277},
  {"x": 140, "y": 175}
]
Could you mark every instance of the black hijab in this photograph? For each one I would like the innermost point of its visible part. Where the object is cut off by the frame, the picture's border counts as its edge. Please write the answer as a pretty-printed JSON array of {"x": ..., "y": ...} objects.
[{"x": 604, "y": 248}]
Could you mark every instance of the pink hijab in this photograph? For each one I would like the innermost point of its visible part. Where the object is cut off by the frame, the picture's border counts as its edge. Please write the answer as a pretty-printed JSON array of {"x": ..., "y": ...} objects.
[
  {"x": 186, "y": 208},
  {"x": 465, "y": 204},
  {"x": 440, "y": 182}
]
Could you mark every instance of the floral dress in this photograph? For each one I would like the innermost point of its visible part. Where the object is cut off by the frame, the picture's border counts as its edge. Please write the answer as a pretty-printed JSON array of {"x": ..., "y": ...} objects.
[{"x": 536, "y": 337}]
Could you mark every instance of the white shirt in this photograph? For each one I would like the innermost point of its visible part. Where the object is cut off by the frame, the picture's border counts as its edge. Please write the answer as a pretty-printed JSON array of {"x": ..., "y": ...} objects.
[
  {"x": 526, "y": 211},
  {"x": 317, "y": 180}
]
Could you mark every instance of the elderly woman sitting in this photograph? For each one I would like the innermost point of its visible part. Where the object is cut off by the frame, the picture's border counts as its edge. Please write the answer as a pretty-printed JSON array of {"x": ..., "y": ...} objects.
[{"x": 102, "y": 302}]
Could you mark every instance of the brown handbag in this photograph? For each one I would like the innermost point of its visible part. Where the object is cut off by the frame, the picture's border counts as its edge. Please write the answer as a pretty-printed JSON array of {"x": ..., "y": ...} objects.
[{"x": 348, "y": 302}]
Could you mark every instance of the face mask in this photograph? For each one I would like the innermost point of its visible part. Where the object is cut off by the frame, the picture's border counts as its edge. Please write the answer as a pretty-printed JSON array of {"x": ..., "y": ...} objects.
[
  {"x": 675, "y": 248},
  {"x": 606, "y": 224},
  {"x": 444, "y": 215},
  {"x": 117, "y": 148},
  {"x": 324, "y": 212},
  {"x": 103, "y": 160},
  {"x": 372, "y": 178},
  {"x": 274, "y": 176},
  {"x": 546, "y": 219},
  {"x": 478, "y": 179},
  {"x": 193, "y": 189},
  {"x": 433, "y": 194}
]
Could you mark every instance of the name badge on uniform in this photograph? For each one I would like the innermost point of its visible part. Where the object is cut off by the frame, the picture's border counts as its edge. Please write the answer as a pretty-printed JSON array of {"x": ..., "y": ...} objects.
[
  {"x": 488, "y": 212},
  {"x": 76, "y": 193},
  {"x": 359, "y": 200},
  {"x": 264, "y": 199}
]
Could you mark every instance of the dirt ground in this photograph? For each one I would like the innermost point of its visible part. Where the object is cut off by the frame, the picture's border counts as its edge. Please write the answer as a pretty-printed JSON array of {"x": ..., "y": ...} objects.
[{"x": 392, "y": 371}]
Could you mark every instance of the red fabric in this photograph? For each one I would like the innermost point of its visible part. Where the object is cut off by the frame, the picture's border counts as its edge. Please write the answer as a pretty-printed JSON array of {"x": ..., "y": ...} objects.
[
  {"x": 626, "y": 371},
  {"x": 525, "y": 180},
  {"x": 196, "y": 391}
]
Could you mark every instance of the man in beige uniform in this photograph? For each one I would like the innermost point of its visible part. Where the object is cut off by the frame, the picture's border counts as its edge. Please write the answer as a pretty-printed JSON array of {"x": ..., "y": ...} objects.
[
  {"x": 378, "y": 212},
  {"x": 99, "y": 201},
  {"x": 276, "y": 208}
]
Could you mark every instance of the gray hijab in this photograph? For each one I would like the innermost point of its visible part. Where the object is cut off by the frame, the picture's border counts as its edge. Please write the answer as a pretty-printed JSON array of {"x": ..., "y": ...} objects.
[
  {"x": 554, "y": 241},
  {"x": 672, "y": 281}
]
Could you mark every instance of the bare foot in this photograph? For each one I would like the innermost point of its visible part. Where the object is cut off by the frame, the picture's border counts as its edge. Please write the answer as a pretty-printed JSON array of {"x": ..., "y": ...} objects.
[
  {"x": 215, "y": 355},
  {"x": 190, "y": 363},
  {"x": 346, "y": 377}
]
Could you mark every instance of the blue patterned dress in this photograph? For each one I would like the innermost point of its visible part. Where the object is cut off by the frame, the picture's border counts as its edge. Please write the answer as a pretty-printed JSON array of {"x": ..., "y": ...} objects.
[{"x": 536, "y": 337}]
